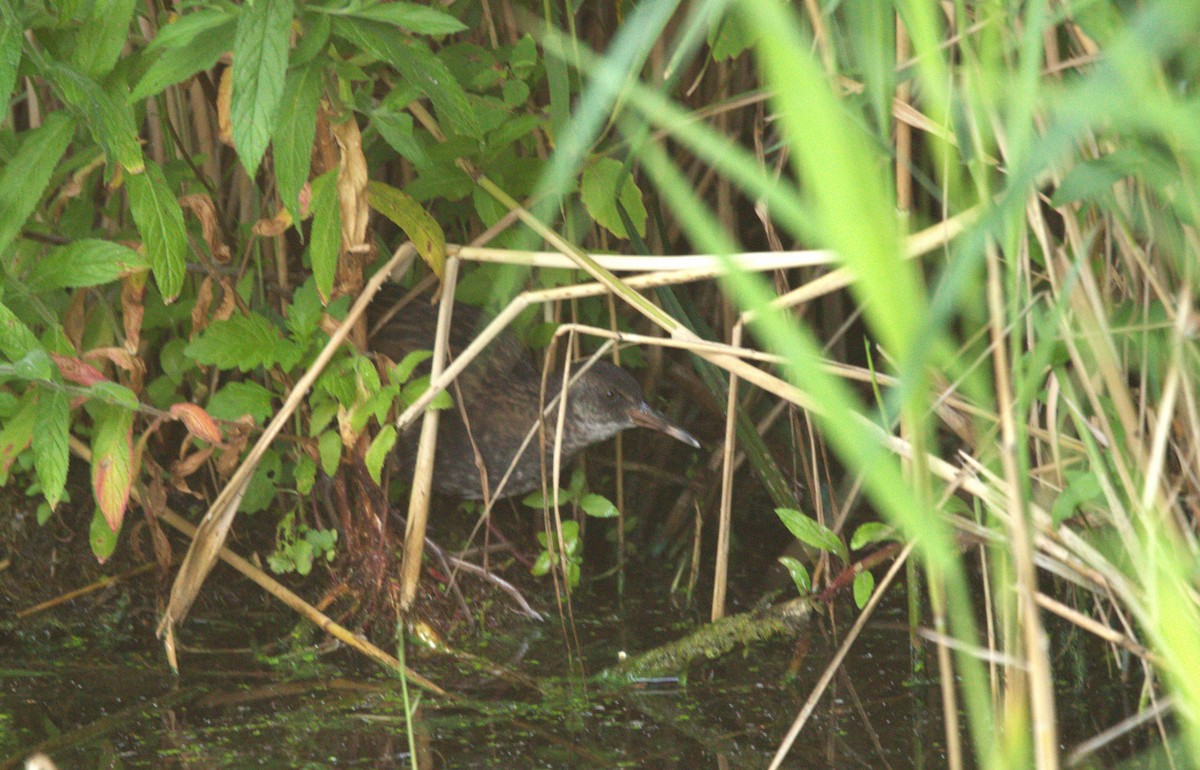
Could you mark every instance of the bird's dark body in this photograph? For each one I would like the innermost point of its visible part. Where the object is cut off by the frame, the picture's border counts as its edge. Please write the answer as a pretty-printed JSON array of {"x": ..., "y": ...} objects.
[{"x": 500, "y": 395}]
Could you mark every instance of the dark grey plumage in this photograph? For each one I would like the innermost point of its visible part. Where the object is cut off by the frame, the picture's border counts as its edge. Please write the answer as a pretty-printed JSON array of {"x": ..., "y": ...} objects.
[{"x": 500, "y": 393}]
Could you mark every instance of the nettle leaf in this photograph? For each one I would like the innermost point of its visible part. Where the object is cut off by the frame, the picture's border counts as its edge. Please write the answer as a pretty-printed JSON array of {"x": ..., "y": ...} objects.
[
  {"x": 420, "y": 19},
  {"x": 98, "y": 47},
  {"x": 17, "y": 433},
  {"x": 417, "y": 64},
  {"x": 11, "y": 37},
  {"x": 235, "y": 399},
  {"x": 326, "y": 232},
  {"x": 403, "y": 370},
  {"x": 86, "y": 262},
  {"x": 810, "y": 532},
  {"x": 112, "y": 461},
  {"x": 329, "y": 447},
  {"x": 260, "y": 491},
  {"x": 599, "y": 193},
  {"x": 296, "y": 133},
  {"x": 260, "y": 51},
  {"x": 192, "y": 44},
  {"x": 159, "y": 219},
  {"x": 421, "y": 228},
  {"x": 16, "y": 340},
  {"x": 113, "y": 394},
  {"x": 27, "y": 172},
  {"x": 396, "y": 128},
  {"x": 109, "y": 119},
  {"x": 101, "y": 537},
  {"x": 242, "y": 342},
  {"x": 304, "y": 314},
  {"x": 50, "y": 451},
  {"x": 379, "y": 450}
]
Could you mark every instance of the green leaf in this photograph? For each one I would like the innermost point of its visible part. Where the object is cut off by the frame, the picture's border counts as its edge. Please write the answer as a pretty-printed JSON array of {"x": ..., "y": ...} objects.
[
  {"x": 235, "y": 399},
  {"x": 295, "y": 134},
  {"x": 809, "y": 531},
  {"x": 599, "y": 193},
  {"x": 242, "y": 342},
  {"x": 11, "y": 37},
  {"x": 799, "y": 574},
  {"x": 113, "y": 394},
  {"x": 305, "y": 473},
  {"x": 728, "y": 37},
  {"x": 112, "y": 461},
  {"x": 263, "y": 486},
  {"x": 864, "y": 584},
  {"x": 417, "y": 65},
  {"x": 329, "y": 447},
  {"x": 599, "y": 507},
  {"x": 34, "y": 365},
  {"x": 101, "y": 537},
  {"x": 326, "y": 232},
  {"x": 542, "y": 565},
  {"x": 17, "y": 433},
  {"x": 108, "y": 116},
  {"x": 28, "y": 171},
  {"x": 403, "y": 370},
  {"x": 260, "y": 51},
  {"x": 86, "y": 262},
  {"x": 379, "y": 450},
  {"x": 192, "y": 44},
  {"x": 15, "y": 338},
  {"x": 1082, "y": 487},
  {"x": 304, "y": 314},
  {"x": 160, "y": 221},
  {"x": 871, "y": 532},
  {"x": 415, "y": 18},
  {"x": 422, "y": 229},
  {"x": 98, "y": 47},
  {"x": 396, "y": 128},
  {"x": 50, "y": 452}
]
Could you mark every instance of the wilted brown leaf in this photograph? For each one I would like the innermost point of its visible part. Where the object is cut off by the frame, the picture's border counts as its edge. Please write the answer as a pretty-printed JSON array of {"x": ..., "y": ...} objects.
[
  {"x": 202, "y": 206},
  {"x": 197, "y": 421}
]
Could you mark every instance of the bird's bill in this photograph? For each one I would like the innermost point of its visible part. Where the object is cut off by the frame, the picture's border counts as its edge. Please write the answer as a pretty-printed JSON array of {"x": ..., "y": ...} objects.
[{"x": 645, "y": 416}]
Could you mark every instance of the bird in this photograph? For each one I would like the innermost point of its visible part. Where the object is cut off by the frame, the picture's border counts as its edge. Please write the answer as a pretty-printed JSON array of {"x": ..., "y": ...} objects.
[{"x": 500, "y": 393}]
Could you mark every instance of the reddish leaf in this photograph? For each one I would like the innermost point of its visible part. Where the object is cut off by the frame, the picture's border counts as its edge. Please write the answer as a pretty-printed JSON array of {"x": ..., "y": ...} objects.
[
  {"x": 112, "y": 462},
  {"x": 197, "y": 421},
  {"x": 77, "y": 371}
]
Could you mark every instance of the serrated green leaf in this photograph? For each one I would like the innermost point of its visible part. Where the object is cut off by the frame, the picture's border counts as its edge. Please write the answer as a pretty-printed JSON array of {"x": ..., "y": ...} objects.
[
  {"x": 598, "y": 190},
  {"x": 113, "y": 394},
  {"x": 50, "y": 451},
  {"x": 396, "y": 128},
  {"x": 264, "y": 484},
  {"x": 28, "y": 171},
  {"x": 379, "y": 450},
  {"x": 86, "y": 262},
  {"x": 260, "y": 51},
  {"x": 864, "y": 585},
  {"x": 11, "y": 37},
  {"x": 35, "y": 365},
  {"x": 112, "y": 461},
  {"x": 101, "y": 537},
  {"x": 415, "y": 18},
  {"x": 871, "y": 532},
  {"x": 296, "y": 133},
  {"x": 192, "y": 44},
  {"x": 235, "y": 399},
  {"x": 304, "y": 473},
  {"x": 417, "y": 64},
  {"x": 329, "y": 447},
  {"x": 242, "y": 342},
  {"x": 403, "y": 370},
  {"x": 422, "y": 229},
  {"x": 17, "y": 433},
  {"x": 799, "y": 574},
  {"x": 159, "y": 219},
  {"x": 326, "y": 232},
  {"x": 107, "y": 115},
  {"x": 304, "y": 314},
  {"x": 97, "y": 50},
  {"x": 811, "y": 532},
  {"x": 598, "y": 506},
  {"x": 16, "y": 340}
]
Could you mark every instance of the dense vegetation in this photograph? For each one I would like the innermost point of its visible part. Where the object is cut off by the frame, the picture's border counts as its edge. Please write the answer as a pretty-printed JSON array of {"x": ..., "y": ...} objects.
[{"x": 1003, "y": 195}]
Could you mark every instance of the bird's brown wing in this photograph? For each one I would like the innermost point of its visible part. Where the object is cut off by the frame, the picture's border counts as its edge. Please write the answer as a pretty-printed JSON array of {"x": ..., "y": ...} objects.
[{"x": 412, "y": 328}]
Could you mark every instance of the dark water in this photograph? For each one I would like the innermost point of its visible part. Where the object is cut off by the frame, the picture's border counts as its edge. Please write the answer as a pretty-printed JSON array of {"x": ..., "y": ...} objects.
[{"x": 88, "y": 684}]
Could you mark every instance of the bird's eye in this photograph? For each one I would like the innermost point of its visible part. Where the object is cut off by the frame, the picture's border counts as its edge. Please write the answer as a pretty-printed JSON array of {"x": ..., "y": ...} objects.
[{"x": 609, "y": 395}]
